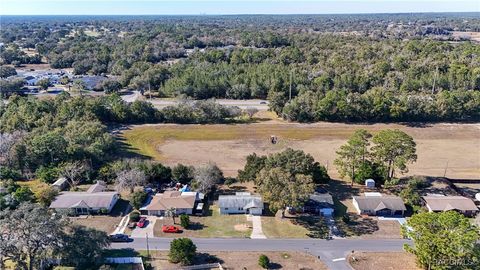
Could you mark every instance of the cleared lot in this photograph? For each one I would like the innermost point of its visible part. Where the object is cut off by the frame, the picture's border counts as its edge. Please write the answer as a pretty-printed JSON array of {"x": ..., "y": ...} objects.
[
  {"x": 382, "y": 260},
  {"x": 450, "y": 148}
]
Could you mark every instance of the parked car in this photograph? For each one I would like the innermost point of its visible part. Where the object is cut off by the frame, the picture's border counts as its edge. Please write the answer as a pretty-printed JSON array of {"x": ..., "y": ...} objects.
[
  {"x": 132, "y": 225},
  {"x": 142, "y": 222},
  {"x": 119, "y": 238},
  {"x": 171, "y": 229}
]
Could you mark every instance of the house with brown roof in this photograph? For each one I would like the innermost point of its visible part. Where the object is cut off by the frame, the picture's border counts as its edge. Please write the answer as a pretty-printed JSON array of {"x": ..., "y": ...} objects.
[
  {"x": 182, "y": 202},
  {"x": 376, "y": 204},
  {"x": 440, "y": 203}
]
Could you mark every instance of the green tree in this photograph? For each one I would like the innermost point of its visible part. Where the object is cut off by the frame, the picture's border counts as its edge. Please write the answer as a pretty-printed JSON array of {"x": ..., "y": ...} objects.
[
  {"x": 353, "y": 154},
  {"x": 184, "y": 221},
  {"x": 182, "y": 250},
  {"x": 282, "y": 189},
  {"x": 440, "y": 240},
  {"x": 47, "y": 174},
  {"x": 182, "y": 173},
  {"x": 253, "y": 166},
  {"x": 298, "y": 162},
  {"x": 138, "y": 198},
  {"x": 44, "y": 83},
  {"x": 6, "y": 71},
  {"x": 394, "y": 149}
]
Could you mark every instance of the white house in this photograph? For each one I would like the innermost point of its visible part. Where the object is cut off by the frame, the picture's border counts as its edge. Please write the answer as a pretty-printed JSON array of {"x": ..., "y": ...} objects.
[{"x": 240, "y": 203}]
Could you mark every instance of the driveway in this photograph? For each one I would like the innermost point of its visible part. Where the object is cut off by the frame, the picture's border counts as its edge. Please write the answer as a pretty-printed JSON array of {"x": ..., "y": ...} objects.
[
  {"x": 257, "y": 232},
  {"x": 147, "y": 230}
]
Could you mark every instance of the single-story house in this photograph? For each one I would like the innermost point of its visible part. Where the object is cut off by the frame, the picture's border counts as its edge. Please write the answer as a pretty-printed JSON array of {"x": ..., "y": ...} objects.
[
  {"x": 85, "y": 202},
  {"x": 376, "y": 204},
  {"x": 240, "y": 203},
  {"x": 460, "y": 204},
  {"x": 183, "y": 202},
  {"x": 320, "y": 203}
]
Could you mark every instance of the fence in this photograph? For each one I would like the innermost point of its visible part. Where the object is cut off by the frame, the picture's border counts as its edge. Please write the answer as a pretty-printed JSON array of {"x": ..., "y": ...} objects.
[{"x": 126, "y": 260}]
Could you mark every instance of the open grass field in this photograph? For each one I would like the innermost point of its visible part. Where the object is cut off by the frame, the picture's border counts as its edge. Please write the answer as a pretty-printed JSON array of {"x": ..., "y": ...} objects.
[
  {"x": 450, "y": 148},
  {"x": 382, "y": 261}
]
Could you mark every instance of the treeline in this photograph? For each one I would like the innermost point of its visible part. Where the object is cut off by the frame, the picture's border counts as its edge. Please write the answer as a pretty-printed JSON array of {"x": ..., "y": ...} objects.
[{"x": 46, "y": 133}]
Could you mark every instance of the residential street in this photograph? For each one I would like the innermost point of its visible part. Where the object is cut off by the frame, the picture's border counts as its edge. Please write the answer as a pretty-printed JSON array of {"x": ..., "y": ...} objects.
[{"x": 331, "y": 252}]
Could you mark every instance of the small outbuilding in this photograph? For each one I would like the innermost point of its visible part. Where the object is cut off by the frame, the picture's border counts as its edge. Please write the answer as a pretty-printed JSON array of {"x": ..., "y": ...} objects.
[
  {"x": 61, "y": 184},
  {"x": 370, "y": 183}
]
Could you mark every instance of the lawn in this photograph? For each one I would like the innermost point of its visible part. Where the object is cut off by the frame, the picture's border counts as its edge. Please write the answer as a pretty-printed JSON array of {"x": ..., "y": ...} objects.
[
  {"x": 212, "y": 225},
  {"x": 274, "y": 227}
]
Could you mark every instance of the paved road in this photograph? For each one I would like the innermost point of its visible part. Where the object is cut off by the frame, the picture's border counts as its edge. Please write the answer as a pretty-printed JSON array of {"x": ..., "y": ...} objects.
[{"x": 331, "y": 252}]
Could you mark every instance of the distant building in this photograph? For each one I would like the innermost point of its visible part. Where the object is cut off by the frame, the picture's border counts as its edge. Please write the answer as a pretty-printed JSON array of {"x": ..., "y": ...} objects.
[
  {"x": 376, "y": 204},
  {"x": 460, "y": 204},
  {"x": 241, "y": 203}
]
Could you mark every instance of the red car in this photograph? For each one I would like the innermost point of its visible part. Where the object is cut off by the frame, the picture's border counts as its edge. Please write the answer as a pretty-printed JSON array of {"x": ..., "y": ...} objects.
[
  {"x": 142, "y": 222},
  {"x": 170, "y": 229}
]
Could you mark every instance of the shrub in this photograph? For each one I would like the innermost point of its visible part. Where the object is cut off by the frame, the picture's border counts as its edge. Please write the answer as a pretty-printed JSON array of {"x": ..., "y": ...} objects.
[
  {"x": 263, "y": 261},
  {"x": 9, "y": 174},
  {"x": 184, "y": 221},
  {"x": 182, "y": 250},
  {"x": 135, "y": 216}
]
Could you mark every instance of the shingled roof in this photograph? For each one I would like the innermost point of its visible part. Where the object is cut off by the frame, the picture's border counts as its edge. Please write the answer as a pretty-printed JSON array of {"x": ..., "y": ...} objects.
[
  {"x": 377, "y": 203},
  {"x": 445, "y": 203},
  {"x": 171, "y": 199},
  {"x": 83, "y": 200}
]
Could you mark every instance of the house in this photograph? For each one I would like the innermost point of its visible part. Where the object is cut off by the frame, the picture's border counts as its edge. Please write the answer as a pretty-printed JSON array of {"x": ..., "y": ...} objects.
[
  {"x": 376, "y": 204},
  {"x": 319, "y": 203},
  {"x": 182, "y": 202},
  {"x": 464, "y": 205},
  {"x": 86, "y": 202},
  {"x": 240, "y": 203},
  {"x": 61, "y": 184}
]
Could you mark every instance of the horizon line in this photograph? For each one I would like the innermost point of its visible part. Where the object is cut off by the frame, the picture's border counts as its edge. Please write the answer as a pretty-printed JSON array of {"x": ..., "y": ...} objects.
[{"x": 246, "y": 14}]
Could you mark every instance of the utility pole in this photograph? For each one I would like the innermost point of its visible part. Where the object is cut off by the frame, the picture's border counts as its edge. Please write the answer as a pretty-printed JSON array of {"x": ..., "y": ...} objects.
[{"x": 148, "y": 249}]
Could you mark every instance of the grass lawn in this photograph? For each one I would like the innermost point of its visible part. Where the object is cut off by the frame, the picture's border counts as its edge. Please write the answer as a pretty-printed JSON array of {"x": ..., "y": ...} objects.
[
  {"x": 382, "y": 260},
  {"x": 212, "y": 225},
  {"x": 274, "y": 227}
]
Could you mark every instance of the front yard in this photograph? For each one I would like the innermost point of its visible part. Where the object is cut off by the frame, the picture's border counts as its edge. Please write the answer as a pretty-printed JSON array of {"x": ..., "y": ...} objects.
[
  {"x": 211, "y": 225},
  {"x": 382, "y": 260},
  {"x": 303, "y": 226}
]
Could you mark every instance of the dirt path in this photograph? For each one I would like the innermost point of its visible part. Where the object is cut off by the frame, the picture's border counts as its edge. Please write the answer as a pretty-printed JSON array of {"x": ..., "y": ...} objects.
[{"x": 450, "y": 148}]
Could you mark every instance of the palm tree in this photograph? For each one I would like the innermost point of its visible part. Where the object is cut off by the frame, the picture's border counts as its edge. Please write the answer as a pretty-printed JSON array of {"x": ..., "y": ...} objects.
[{"x": 170, "y": 212}]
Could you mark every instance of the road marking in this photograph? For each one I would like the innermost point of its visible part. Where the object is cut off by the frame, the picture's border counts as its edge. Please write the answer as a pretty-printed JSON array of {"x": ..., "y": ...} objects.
[{"x": 338, "y": 259}]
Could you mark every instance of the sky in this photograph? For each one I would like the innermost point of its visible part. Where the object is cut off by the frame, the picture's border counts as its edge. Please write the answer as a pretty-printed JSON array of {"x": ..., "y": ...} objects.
[{"x": 196, "y": 7}]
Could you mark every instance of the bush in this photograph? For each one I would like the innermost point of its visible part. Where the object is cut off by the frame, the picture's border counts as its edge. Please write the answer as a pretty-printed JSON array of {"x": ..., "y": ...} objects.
[
  {"x": 138, "y": 197},
  {"x": 263, "y": 261},
  {"x": 184, "y": 221},
  {"x": 134, "y": 216},
  {"x": 9, "y": 174},
  {"x": 182, "y": 250}
]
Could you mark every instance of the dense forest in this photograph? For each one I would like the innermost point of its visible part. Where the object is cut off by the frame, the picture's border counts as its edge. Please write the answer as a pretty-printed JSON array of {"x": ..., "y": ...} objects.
[{"x": 396, "y": 67}]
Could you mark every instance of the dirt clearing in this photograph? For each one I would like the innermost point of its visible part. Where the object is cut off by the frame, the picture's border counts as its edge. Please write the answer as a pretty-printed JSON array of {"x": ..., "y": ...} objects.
[
  {"x": 382, "y": 260},
  {"x": 450, "y": 148}
]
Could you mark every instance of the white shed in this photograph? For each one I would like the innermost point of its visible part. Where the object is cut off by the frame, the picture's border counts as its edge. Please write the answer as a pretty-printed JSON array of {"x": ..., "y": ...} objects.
[
  {"x": 370, "y": 183},
  {"x": 477, "y": 197}
]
